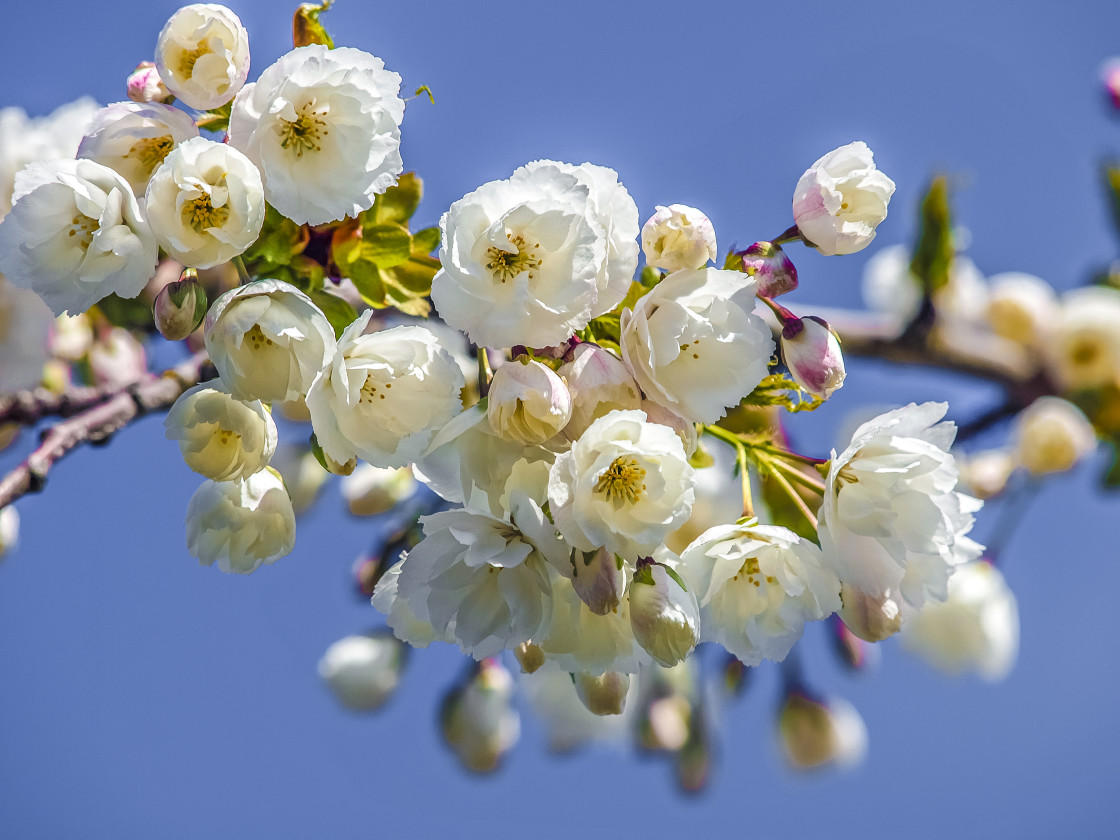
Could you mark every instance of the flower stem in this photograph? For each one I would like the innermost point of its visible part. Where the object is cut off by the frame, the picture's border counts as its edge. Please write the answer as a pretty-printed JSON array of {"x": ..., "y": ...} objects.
[
  {"x": 484, "y": 372},
  {"x": 790, "y": 234},
  {"x": 791, "y": 491},
  {"x": 797, "y": 475},
  {"x": 731, "y": 439},
  {"x": 242, "y": 272}
]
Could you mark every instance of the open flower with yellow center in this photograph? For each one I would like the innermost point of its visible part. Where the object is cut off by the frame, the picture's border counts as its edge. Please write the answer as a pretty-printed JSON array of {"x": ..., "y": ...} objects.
[
  {"x": 757, "y": 586},
  {"x": 220, "y": 437},
  {"x": 134, "y": 138},
  {"x": 324, "y": 127},
  {"x": 76, "y": 234},
  {"x": 384, "y": 394},
  {"x": 205, "y": 203},
  {"x": 532, "y": 259},
  {"x": 624, "y": 485},
  {"x": 268, "y": 341},
  {"x": 202, "y": 55}
]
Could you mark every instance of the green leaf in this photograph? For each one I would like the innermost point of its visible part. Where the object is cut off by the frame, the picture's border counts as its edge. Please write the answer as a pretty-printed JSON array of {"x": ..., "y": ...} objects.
[
  {"x": 338, "y": 311},
  {"x": 387, "y": 245},
  {"x": 425, "y": 241},
  {"x": 397, "y": 204},
  {"x": 306, "y": 28},
  {"x": 280, "y": 242},
  {"x": 933, "y": 255},
  {"x": 672, "y": 573},
  {"x": 217, "y": 119}
]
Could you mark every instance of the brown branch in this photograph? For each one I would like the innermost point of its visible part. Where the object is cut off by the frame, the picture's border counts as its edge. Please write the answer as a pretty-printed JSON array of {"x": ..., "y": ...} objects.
[
  {"x": 29, "y": 407},
  {"x": 98, "y": 421}
]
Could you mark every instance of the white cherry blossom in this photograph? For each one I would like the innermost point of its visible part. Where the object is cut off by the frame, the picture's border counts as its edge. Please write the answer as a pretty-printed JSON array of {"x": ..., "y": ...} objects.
[
  {"x": 202, "y": 55},
  {"x": 679, "y": 237},
  {"x": 528, "y": 402},
  {"x": 134, "y": 138},
  {"x": 220, "y": 437}
]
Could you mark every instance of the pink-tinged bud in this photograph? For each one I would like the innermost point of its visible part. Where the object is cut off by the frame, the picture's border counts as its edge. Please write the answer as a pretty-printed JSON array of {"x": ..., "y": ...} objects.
[
  {"x": 812, "y": 353},
  {"x": 599, "y": 384},
  {"x": 769, "y": 265},
  {"x": 145, "y": 85},
  {"x": 869, "y": 617},
  {"x": 1110, "y": 76},
  {"x": 853, "y": 651},
  {"x": 603, "y": 694},
  {"x": 815, "y": 732},
  {"x": 598, "y": 579},
  {"x": 677, "y": 238},
  {"x": 180, "y": 307}
]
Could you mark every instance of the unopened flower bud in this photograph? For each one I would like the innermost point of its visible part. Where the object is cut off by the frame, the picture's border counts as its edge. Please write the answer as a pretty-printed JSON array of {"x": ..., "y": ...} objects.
[
  {"x": 478, "y": 721},
  {"x": 812, "y": 353},
  {"x": 1110, "y": 77},
  {"x": 815, "y": 733},
  {"x": 853, "y": 651},
  {"x": 664, "y": 615},
  {"x": 868, "y": 617},
  {"x": 367, "y": 572},
  {"x": 363, "y": 671},
  {"x": 371, "y": 490},
  {"x": 527, "y": 402},
  {"x": 180, "y": 307},
  {"x": 599, "y": 383},
  {"x": 145, "y": 85},
  {"x": 685, "y": 429},
  {"x": 603, "y": 694},
  {"x": 678, "y": 237},
  {"x": 1053, "y": 435},
  {"x": 768, "y": 264},
  {"x": 598, "y": 579},
  {"x": 529, "y": 656}
]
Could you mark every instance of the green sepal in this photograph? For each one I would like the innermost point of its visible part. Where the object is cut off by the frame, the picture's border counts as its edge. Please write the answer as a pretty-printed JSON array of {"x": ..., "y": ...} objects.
[
  {"x": 673, "y": 574},
  {"x": 933, "y": 255},
  {"x": 779, "y": 389},
  {"x": 339, "y": 312},
  {"x": 701, "y": 459},
  {"x": 306, "y": 28},
  {"x": 643, "y": 575}
]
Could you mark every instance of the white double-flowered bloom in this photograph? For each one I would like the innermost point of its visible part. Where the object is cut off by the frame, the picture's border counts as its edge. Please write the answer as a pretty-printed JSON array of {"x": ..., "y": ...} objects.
[
  {"x": 24, "y": 140},
  {"x": 363, "y": 671},
  {"x": 841, "y": 199},
  {"x": 205, "y": 203},
  {"x": 694, "y": 345},
  {"x": 483, "y": 582},
  {"x": 532, "y": 259},
  {"x": 404, "y": 623},
  {"x": 679, "y": 237},
  {"x": 1052, "y": 435},
  {"x": 134, "y": 138},
  {"x": 757, "y": 586},
  {"x": 1084, "y": 349},
  {"x": 527, "y": 402},
  {"x": 892, "y": 525},
  {"x": 817, "y": 732},
  {"x": 624, "y": 485},
  {"x": 976, "y": 629},
  {"x": 371, "y": 490},
  {"x": 75, "y": 235},
  {"x": 384, "y": 394},
  {"x": 202, "y": 55},
  {"x": 220, "y": 437},
  {"x": 1021, "y": 307},
  {"x": 241, "y": 525},
  {"x": 323, "y": 126},
  {"x": 268, "y": 341}
]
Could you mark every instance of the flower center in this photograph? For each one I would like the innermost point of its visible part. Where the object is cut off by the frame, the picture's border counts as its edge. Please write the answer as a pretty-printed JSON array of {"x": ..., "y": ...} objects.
[
  {"x": 370, "y": 391},
  {"x": 1085, "y": 353},
  {"x": 304, "y": 133},
  {"x": 82, "y": 227},
  {"x": 189, "y": 58},
  {"x": 622, "y": 481},
  {"x": 257, "y": 339},
  {"x": 753, "y": 573},
  {"x": 151, "y": 151},
  {"x": 505, "y": 265},
  {"x": 201, "y": 214},
  {"x": 227, "y": 436}
]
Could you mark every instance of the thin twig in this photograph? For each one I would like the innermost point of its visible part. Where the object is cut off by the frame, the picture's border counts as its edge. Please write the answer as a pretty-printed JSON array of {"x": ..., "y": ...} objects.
[
  {"x": 791, "y": 491},
  {"x": 98, "y": 422}
]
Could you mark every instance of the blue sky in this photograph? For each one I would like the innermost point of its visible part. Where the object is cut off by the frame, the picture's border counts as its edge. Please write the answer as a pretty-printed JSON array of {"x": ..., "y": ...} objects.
[{"x": 145, "y": 696}]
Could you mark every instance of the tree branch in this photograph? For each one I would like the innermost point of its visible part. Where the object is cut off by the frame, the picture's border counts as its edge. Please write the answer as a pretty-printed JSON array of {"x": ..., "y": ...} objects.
[{"x": 97, "y": 421}]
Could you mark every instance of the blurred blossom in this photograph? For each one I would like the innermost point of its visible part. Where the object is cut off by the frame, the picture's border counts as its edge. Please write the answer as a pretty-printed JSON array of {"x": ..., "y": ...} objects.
[
  {"x": 202, "y": 55},
  {"x": 984, "y": 474},
  {"x": 25, "y": 323},
  {"x": 24, "y": 140},
  {"x": 678, "y": 237},
  {"x": 841, "y": 199},
  {"x": 890, "y": 288},
  {"x": 363, "y": 671},
  {"x": 602, "y": 694},
  {"x": 145, "y": 85},
  {"x": 853, "y": 651},
  {"x": 976, "y": 629},
  {"x": 117, "y": 359},
  {"x": 71, "y": 337},
  {"x": 1084, "y": 349},
  {"x": 815, "y": 732},
  {"x": 1052, "y": 435},
  {"x": 478, "y": 720},
  {"x": 9, "y": 530},
  {"x": 1021, "y": 307},
  {"x": 1110, "y": 77},
  {"x": 566, "y": 720},
  {"x": 303, "y": 475},
  {"x": 665, "y": 705},
  {"x": 371, "y": 490}
]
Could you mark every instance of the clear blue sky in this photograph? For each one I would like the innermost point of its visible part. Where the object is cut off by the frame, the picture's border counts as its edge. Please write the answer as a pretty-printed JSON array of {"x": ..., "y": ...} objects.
[{"x": 144, "y": 696}]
